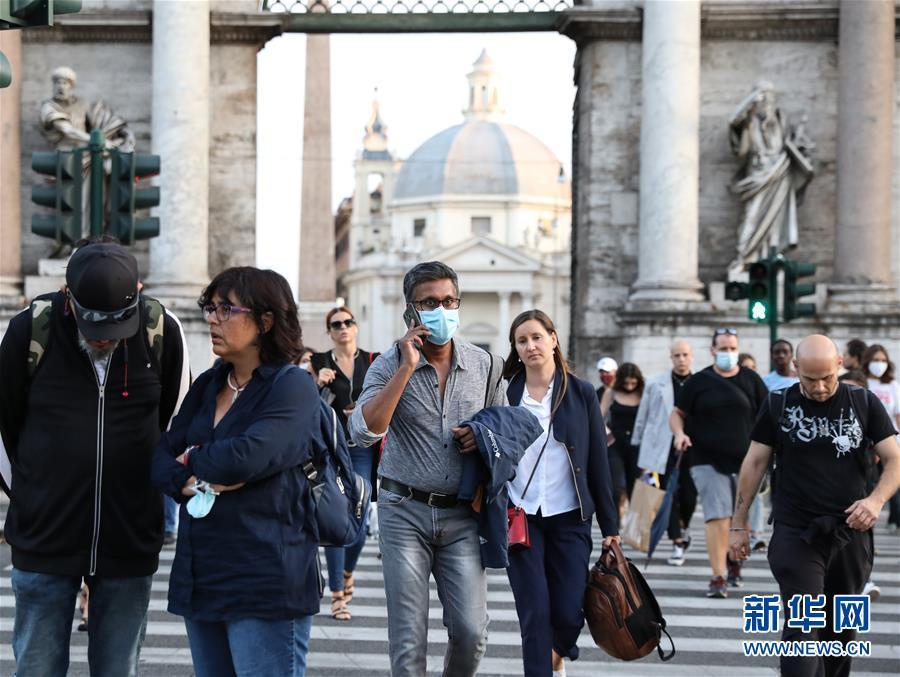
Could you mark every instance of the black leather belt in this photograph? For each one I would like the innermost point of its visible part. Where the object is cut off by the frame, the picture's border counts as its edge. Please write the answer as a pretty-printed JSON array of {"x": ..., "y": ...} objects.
[{"x": 434, "y": 499}]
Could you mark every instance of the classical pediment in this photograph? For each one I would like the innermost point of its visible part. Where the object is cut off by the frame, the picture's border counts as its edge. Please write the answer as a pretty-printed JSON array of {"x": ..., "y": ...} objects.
[{"x": 480, "y": 254}]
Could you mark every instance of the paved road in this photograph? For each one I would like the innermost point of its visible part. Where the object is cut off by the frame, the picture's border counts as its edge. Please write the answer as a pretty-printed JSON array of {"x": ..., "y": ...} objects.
[{"x": 707, "y": 632}]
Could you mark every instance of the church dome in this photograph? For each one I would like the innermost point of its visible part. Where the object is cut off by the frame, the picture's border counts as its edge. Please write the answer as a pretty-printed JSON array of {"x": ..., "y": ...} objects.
[{"x": 480, "y": 157}]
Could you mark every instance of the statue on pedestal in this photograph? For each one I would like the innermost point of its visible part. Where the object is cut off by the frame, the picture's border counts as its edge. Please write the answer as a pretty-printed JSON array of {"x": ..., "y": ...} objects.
[
  {"x": 775, "y": 169},
  {"x": 66, "y": 120}
]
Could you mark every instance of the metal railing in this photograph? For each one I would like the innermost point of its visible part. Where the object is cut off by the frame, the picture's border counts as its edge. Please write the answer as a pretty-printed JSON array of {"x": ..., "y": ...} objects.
[{"x": 416, "y": 16}]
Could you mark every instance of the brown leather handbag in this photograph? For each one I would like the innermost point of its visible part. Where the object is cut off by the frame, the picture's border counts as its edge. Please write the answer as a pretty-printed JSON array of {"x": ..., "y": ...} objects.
[{"x": 621, "y": 609}]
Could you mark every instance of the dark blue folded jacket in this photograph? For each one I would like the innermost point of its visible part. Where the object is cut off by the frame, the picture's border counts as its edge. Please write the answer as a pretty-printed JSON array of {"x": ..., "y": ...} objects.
[{"x": 503, "y": 434}]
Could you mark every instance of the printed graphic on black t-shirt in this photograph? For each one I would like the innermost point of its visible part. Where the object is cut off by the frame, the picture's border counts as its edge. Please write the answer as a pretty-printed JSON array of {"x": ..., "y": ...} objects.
[{"x": 821, "y": 459}]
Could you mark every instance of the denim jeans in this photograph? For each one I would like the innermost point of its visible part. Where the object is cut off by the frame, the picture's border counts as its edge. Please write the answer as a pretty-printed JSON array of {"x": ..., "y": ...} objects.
[
  {"x": 344, "y": 559},
  {"x": 418, "y": 541},
  {"x": 249, "y": 647},
  {"x": 45, "y": 606},
  {"x": 171, "y": 511}
]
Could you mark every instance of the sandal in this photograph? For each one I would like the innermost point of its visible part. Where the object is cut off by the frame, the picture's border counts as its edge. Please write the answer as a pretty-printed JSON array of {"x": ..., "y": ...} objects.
[
  {"x": 348, "y": 586},
  {"x": 339, "y": 609}
]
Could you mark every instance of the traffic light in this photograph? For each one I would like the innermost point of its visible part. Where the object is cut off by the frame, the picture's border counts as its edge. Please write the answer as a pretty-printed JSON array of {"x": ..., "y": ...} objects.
[
  {"x": 25, "y": 13},
  {"x": 794, "y": 290},
  {"x": 64, "y": 196},
  {"x": 760, "y": 290},
  {"x": 735, "y": 291},
  {"x": 125, "y": 198}
]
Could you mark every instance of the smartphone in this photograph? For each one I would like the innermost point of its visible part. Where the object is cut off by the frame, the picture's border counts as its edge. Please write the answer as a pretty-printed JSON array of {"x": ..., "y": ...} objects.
[{"x": 411, "y": 316}]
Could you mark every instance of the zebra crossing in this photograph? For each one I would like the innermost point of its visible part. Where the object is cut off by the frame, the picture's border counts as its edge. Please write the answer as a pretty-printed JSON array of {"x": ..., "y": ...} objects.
[{"x": 707, "y": 632}]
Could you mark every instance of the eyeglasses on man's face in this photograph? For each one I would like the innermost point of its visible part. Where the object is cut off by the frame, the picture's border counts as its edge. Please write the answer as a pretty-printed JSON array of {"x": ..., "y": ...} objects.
[
  {"x": 448, "y": 303},
  {"x": 223, "y": 311},
  {"x": 337, "y": 325}
]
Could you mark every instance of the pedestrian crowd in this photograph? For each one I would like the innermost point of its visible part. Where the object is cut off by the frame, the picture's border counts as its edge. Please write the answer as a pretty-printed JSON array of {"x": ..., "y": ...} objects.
[{"x": 110, "y": 450}]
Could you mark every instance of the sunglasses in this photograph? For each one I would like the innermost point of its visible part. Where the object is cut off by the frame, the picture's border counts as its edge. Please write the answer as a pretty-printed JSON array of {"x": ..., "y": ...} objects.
[
  {"x": 89, "y": 315},
  {"x": 340, "y": 324},
  {"x": 730, "y": 331}
]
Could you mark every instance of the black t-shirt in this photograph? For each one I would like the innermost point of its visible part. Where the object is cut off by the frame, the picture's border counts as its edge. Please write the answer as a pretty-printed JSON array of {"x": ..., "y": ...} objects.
[
  {"x": 344, "y": 391},
  {"x": 720, "y": 415},
  {"x": 821, "y": 462}
]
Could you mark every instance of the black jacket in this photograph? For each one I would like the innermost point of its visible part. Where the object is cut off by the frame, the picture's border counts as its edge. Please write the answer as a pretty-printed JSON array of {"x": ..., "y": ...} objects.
[
  {"x": 81, "y": 502},
  {"x": 578, "y": 426}
]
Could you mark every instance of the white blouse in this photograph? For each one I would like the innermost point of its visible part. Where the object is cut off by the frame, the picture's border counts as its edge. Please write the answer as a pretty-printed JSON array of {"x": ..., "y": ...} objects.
[{"x": 553, "y": 488}]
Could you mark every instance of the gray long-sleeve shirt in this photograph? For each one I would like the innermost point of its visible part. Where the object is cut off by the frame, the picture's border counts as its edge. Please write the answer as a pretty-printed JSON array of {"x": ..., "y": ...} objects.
[{"x": 420, "y": 449}]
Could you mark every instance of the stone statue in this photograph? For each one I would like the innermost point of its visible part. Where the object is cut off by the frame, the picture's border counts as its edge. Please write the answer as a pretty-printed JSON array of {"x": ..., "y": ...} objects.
[
  {"x": 67, "y": 121},
  {"x": 775, "y": 170}
]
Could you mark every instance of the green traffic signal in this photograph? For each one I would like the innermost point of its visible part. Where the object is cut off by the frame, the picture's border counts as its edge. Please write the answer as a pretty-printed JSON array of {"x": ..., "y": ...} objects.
[
  {"x": 795, "y": 290},
  {"x": 759, "y": 290},
  {"x": 64, "y": 196},
  {"x": 125, "y": 198},
  {"x": 25, "y": 13},
  {"x": 5, "y": 71}
]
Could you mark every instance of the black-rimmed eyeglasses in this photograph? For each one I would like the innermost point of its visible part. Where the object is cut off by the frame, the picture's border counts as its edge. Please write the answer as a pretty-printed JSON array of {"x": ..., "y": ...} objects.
[
  {"x": 223, "y": 311},
  {"x": 448, "y": 303}
]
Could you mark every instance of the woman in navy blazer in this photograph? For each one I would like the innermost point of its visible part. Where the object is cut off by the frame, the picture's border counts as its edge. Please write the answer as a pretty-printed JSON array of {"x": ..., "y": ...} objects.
[
  {"x": 245, "y": 575},
  {"x": 561, "y": 481}
]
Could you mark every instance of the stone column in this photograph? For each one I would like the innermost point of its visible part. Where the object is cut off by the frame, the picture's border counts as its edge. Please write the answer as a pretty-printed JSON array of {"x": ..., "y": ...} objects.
[
  {"x": 670, "y": 164},
  {"x": 862, "y": 248},
  {"x": 527, "y": 301},
  {"x": 317, "y": 276},
  {"x": 503, "y": 318},
  {"x": 10, "y": 169},
  {"x": 180, "y": 133}
]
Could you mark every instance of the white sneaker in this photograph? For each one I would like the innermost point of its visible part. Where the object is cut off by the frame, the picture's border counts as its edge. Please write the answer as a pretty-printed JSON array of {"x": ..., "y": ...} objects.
[
  {"x": 872, "y": 590},
  {"x": 560, "y": 673},
  {"x": 677, "y": 558}
]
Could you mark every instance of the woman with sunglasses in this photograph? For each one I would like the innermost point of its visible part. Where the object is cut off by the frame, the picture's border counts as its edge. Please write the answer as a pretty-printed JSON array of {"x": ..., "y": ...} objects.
[
  {"x": 340, "y": 373},
  {"x": 562, "y": 480},
  {"x": 245, "y": 575}
]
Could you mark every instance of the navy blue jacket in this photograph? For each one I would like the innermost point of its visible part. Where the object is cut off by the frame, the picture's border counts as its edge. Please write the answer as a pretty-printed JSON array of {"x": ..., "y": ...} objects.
[
  {"x": 503, "y": 434},
  {"x": 578, "y": 426},
  {"x": 255, "y": 553}
]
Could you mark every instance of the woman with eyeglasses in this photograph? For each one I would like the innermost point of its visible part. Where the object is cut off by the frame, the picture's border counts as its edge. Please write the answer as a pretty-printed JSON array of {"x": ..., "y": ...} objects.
[
  {"x": 339, "y": 374},
  {"x": 246, "y": 574},
  {"x": 562, "y": 481}
]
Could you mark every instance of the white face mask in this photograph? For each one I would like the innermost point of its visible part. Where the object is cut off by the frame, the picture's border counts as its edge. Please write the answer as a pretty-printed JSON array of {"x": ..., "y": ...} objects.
[
  {"x": 304, "y": 366},
  {"x": 877, "y": 368},
  {"x": 726, "y": 361}
]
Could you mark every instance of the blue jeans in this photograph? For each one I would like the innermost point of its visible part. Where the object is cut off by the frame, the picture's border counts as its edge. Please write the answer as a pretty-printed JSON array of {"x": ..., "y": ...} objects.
[
  {"x": 548, "y": 581},
  {"x": 418, "y": 541},
  {"x": 171, "y": 511},
  {"x": 45, "y": 606},
  {"x": 249, "y": 647},
  {"x": 344, "y": 559}
]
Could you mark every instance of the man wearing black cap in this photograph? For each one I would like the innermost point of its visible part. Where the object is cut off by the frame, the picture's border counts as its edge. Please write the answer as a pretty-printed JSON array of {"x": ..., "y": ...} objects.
[{"x": 92, "y": 375}]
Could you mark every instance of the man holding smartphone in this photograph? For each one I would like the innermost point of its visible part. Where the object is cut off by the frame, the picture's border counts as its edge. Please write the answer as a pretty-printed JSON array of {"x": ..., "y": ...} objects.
[{"x": 422, "y": 389}]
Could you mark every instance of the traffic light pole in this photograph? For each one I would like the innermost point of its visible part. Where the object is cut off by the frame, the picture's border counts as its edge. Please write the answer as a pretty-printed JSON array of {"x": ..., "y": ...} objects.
[
  {"x": 775, "y": 259},
  {"x": 97, "y": 176}
]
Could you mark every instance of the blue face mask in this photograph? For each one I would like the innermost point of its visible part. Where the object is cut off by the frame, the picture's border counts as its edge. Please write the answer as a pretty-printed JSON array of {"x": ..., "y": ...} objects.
[
  {"x": 726, "y": 361},
  {"x": 441, "y": 323},
  {"x": 201, "y": 503}
]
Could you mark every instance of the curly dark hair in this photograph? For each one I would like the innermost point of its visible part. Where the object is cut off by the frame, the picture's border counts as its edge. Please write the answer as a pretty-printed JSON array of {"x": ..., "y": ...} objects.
[
  {"x": 628, "y": 370},
  {"x": 263, "y": 291}
]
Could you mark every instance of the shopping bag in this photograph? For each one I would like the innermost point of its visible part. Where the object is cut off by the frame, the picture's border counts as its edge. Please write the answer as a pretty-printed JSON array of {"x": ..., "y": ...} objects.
[{"x": 642, "y": 508}]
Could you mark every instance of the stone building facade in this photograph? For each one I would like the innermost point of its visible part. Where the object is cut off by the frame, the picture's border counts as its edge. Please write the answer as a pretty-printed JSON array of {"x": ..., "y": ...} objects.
[{"x": 655, "y": 223}]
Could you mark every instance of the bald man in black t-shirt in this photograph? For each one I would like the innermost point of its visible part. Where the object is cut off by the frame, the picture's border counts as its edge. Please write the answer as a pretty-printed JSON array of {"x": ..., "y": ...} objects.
[{"x": 822, "y": 536}]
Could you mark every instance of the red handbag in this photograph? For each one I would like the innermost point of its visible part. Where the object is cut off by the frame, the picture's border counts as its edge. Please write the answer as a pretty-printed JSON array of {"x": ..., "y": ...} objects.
[{"x": 517, "y": 522}]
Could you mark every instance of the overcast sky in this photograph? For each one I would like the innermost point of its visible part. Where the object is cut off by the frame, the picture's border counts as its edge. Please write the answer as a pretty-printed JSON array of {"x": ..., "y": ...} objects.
[{"x": 422, "y": 89}]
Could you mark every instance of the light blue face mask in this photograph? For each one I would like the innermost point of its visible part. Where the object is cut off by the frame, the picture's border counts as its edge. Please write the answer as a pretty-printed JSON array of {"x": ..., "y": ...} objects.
[
  {"x": 442, "y": 324},
  {"x": 726, "y": 361},
  {"x": 202, "y": 502}
]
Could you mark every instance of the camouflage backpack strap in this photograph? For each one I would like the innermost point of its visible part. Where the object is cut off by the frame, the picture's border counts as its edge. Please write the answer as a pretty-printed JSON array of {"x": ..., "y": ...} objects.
[
  {"x": 40, "y": 332},
  {"x": 153, "y": 324}
]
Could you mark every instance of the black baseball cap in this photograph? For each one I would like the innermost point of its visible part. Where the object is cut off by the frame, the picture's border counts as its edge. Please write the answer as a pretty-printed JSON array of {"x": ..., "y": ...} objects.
[{"x": 102, "y": 279}]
